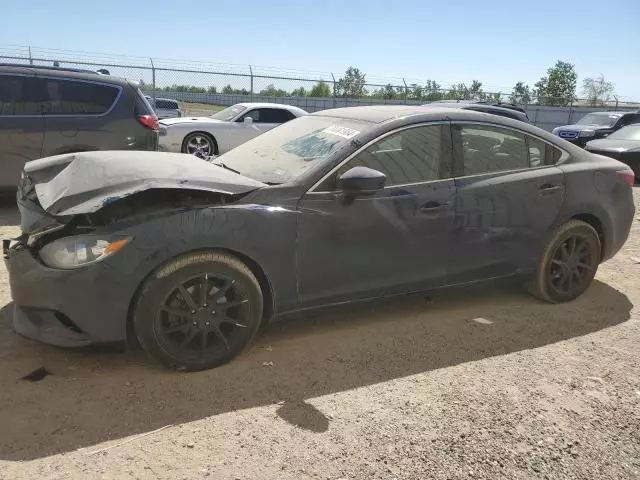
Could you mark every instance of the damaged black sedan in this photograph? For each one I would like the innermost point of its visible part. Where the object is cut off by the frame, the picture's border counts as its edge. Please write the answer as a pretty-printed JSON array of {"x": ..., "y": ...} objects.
[{"x": 191, "y": 257}]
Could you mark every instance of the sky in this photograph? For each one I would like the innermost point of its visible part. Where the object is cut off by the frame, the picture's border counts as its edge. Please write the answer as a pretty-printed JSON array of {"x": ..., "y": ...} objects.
[{"x": 498, "y": 42}]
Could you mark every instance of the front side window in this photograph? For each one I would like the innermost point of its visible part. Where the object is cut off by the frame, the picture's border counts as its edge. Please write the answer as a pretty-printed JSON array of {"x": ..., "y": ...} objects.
[
  {"x": 268, "y": 115},
  {"x": 413, "y": 155},
  {"x": 69, "y": 97},
  {"x": 18, "y": 95}
]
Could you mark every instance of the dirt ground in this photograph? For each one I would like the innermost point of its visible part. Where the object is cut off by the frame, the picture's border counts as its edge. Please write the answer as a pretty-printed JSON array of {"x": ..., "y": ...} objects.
[{"x": 481, "y": 383}]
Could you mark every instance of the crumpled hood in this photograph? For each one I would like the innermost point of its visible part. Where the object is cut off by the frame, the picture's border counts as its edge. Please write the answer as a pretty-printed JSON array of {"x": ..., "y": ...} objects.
[
  {"x": 167, "y": 122},
  {"x": 613, "y": 145},
  {"x": 81, "y": 183}
]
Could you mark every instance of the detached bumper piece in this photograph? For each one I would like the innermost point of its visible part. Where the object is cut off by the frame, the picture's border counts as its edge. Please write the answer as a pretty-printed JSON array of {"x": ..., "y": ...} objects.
[{"x": 48, "y": 327}]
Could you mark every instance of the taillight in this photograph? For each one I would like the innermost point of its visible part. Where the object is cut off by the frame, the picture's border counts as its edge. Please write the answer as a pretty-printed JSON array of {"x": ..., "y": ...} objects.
[
  {"x": 149, "y": 121},
  {"x": 627, "y": 176}
]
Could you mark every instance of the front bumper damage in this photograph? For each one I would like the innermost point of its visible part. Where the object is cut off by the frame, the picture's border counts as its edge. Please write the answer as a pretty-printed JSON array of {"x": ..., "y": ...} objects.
[{"x": 66, "y": 308}]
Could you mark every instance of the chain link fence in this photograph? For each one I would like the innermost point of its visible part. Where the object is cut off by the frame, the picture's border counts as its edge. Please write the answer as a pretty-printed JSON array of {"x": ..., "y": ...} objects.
[{"x": 203, "y": 88}]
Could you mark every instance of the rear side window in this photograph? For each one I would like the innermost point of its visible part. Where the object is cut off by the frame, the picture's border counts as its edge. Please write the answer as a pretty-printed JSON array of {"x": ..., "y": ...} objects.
[
  {"x": 18, "y": 95},
  {"x": 142, "y": 105},
  {"x": 488, "y": 149},
  {"x": 69, "y": 97},
  {"x": 541, "y": 153}
]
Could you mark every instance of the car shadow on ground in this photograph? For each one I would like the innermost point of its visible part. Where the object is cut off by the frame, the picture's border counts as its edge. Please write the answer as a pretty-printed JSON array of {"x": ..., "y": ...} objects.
[{"x": 94, "y": 397}]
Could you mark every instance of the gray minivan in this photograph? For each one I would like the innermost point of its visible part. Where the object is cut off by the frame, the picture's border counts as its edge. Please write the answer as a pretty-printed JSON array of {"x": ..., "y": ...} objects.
[
  {"x": 165, "y": 107},
  {"x": 47, "y": 111}
]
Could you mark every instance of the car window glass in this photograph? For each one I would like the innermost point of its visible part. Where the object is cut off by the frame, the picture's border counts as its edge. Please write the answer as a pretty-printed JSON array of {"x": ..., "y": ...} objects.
[
  {"x": 268, "y": 115},
  {"x": 492, "y": 149},
  {"x": 541, "y": 153},
  {"x": 409, "y": 156},
  {"x": 18, "y": 95},
  {"x": 68, "y": 97},
  {"x": 167, "y": 104}
]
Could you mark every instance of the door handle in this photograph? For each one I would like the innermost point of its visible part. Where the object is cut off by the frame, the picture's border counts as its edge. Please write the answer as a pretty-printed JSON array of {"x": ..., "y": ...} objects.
[
  {"x": 431, "y": 206},
  {"x": 548, "y": 188}
]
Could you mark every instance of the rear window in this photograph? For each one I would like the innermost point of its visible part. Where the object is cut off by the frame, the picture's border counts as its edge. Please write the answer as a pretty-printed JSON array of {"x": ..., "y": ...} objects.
[
  {"x": 71, "y": 97},
  {"x": 168, "y": 104}
]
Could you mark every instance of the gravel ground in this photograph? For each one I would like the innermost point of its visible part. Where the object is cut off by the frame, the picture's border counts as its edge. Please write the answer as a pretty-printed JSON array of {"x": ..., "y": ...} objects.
[{"x": 483, "y": 383}]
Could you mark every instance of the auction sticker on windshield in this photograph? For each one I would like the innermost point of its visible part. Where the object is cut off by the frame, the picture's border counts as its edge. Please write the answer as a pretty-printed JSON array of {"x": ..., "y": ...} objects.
[{"x": 343, "y": 132}]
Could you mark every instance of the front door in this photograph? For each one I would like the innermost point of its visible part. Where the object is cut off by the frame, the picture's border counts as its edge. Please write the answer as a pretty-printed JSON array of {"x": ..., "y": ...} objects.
[
  {"x": 393, "y": 241},
  {"x": 509, "y": 194}
]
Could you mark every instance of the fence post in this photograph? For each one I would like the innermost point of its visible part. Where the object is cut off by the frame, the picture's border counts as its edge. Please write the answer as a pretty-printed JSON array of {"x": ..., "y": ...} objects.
[
  {"x": 30, "y": 57},
  {"x": 153, "y": 82},
  {"x": 616, "y": 97},
  {"x": 334, "y": 90},
  {"x": 406, "y": 91},
  {"x": 251, "y": 74},
  {"x": 570, "y": 112}
]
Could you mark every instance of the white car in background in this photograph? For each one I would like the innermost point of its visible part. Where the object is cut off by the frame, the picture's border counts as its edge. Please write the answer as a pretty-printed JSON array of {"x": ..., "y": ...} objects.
[{"x": 224, "y": 130}]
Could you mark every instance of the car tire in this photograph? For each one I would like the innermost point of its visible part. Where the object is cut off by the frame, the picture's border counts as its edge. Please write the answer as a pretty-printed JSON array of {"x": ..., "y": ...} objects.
[
  {"x": 200, "y": 144},
  {"x": 198, "y": 331},
  {"x": 568, "y": 264}
]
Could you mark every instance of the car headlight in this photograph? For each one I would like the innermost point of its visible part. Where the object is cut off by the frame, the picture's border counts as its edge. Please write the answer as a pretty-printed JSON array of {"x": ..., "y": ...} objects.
[
  {"x": 81, "y": 250},
  {"x": 587, "y": 133},
  {"x": 555, "y": 130}
]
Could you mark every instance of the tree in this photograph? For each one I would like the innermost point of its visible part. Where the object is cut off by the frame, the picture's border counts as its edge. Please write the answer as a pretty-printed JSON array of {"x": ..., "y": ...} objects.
[
  {"x": 299, "y": 92},
  {"x": 597, "y": 91},
  {"x": 227, "y": 90},
  {"x": 457, "y": 92},
  {"x": 320, "y": 89},
  {"x": 212, "y": 89},
  {"x": 271, "y": 91},
  {"x": 558, "y": 88},
  {"x": 521, "y": 94},
  {"x": 475, "y": 91},
  {"x": 352, "y": 84},
  {"x": 431, "y": 91}
]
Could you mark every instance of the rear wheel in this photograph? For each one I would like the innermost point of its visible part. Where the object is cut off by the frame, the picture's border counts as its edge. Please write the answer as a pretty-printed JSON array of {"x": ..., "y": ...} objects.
[
  {"x": 200, "y": 144},
  {"x": 198, "y": 311},
  {"x": 569, "y": 263}
]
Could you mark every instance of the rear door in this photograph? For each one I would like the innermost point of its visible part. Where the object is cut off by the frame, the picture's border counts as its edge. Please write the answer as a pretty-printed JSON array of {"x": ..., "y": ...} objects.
[
  {"x": 509, "y": 193},
  {"x": 21, "y": 126},
  {"x": 76, "y": 116}
]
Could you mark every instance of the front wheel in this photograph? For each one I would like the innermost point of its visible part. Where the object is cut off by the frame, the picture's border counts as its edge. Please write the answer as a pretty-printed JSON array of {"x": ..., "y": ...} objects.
[
  {"x": 569, "y": 263},
  {"x": 198, "y": 311},
  {"x": 200, "y": 144}
]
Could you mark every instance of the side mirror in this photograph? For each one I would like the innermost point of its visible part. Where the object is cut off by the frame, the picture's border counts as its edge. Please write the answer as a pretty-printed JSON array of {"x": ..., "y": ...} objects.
[
  {"x": 248, "y": 120},
  {"x": 360, "y": 181}
]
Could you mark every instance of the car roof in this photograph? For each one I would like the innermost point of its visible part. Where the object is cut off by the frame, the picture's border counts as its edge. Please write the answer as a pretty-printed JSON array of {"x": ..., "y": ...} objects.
[
  {"x": 271, "y": 105},
  {"x": 62, "y": 72},
  {"x": 609, "y": 113},
  {"x": 383, "y": 113}
]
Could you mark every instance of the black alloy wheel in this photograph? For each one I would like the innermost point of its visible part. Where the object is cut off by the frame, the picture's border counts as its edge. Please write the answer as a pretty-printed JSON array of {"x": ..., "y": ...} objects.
[
  {"x": 568, "y": 264},
  {"x": 198, "y": 311}
]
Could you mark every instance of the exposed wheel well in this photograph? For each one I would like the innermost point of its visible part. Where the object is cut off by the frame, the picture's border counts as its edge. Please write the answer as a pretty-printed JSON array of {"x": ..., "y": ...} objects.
[
  {"x": 256, "y": 269},
  {"x": 597, "y": 225},
  {"x": 206, "y": 134}
]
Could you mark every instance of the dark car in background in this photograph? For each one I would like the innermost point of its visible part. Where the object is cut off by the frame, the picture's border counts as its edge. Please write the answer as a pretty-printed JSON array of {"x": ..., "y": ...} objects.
[
  {"x": 596, "y": 125},
  {"x": 508, "y": 110},
  {"x": 343, "y": 205},
  {"x": 46, "y": 111},
  {"x": 623, "y": 145}
]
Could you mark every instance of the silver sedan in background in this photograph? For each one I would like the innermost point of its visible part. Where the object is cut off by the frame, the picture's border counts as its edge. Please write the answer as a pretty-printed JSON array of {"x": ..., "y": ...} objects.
[{"x": 224, "y": 130}]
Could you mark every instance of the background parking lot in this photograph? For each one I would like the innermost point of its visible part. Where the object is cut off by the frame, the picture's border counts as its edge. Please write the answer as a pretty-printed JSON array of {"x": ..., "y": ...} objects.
[{"x": 471, "y": 384}]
